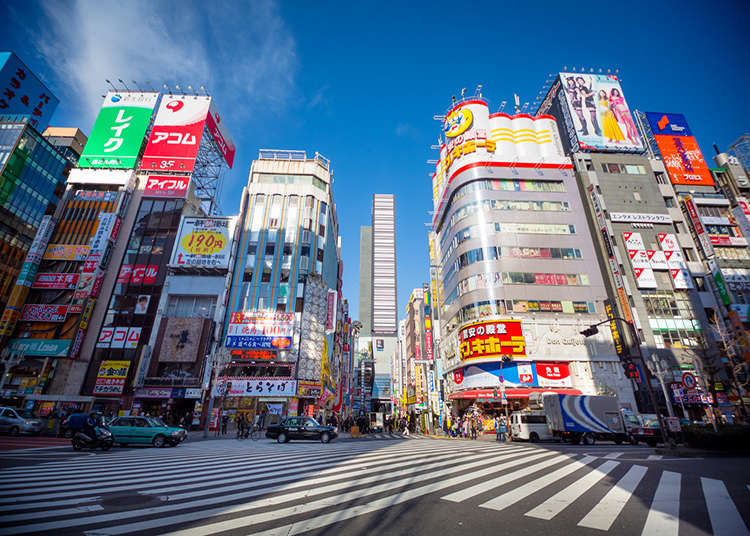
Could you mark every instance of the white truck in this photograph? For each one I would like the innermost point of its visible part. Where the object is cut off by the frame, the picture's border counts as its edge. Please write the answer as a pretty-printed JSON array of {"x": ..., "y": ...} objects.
[{"x": 583, "y": 418}]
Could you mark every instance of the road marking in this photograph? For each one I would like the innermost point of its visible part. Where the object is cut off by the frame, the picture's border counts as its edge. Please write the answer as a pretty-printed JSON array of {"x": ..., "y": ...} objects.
[
  {"x": 49, "y": 504},
  {"x": 564, "y": 498},
  {"x": 613, "y": 455},
  {"x": 507, "y": 499},
  {"x": 725, "y": 519},
  {"x": 604, "y": 514},
  {"x": 655, "y": 457},
  {"x": 487, "y": 485},
  {"x": 53, "y": 513},
  {"x": 664, "y": 516}
]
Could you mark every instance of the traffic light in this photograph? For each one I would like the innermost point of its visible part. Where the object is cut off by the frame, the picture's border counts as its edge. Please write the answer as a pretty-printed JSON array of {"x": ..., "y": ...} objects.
[
  {"x": 631, "y": 371},
  {"x": 588, "y": 332}
]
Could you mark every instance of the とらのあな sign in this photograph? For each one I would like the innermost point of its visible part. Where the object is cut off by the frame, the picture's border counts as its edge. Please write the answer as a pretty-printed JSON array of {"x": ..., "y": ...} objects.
[{"x": 492, "y": 338}]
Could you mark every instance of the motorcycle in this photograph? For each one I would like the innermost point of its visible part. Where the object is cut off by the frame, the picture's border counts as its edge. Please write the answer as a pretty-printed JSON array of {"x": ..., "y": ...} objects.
[{"x": 102, "y": 439}]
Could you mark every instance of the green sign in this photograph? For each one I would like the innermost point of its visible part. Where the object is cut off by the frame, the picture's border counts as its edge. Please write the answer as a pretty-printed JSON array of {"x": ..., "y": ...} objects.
[
  {"x": 40, "y": 347},
  {"x": 119, "y": 129},
  {"x": 722, "y": 287}
]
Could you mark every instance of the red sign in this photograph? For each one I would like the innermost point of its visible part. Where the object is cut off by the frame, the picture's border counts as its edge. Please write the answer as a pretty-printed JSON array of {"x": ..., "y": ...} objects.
[
  {"x": 220, "y": 135},
  {"x": 138, "y": 274},
  {"x": 44, "y": 313},
  {"x": 331, "y": 309},
  {"x": 253, "y": 354},
  {"x": 684, "y": 160},
  {"x": 492, "y": 338},
  {"x": 176, "y": 136},
  {"x": 551, "y": 374},
  {"x": 428, "y": 344},
  {"x": 165, "y": 186},
  {"x": 56, "y": 281}
]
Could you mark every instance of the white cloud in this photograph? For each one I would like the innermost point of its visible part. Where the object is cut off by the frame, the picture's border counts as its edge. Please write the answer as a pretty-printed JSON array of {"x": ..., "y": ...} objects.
[{"x": 242, "y": 52}]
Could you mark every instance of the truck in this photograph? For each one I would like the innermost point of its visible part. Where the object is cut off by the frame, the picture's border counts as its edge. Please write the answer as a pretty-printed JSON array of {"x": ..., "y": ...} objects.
[{"x": 583, "y": 418}]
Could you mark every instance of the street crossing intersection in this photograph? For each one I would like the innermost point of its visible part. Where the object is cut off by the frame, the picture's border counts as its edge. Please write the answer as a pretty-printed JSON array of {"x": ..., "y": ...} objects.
[{"x": 232, "y": 487}]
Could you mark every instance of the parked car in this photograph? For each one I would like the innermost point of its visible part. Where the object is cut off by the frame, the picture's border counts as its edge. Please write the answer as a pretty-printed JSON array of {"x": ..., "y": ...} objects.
[
  {"x": 19, "y": 421},
  {"x": 529, "y": 426},
  {"x": 300, "y": 428},
  {"x": 649, "y": 432},
  {"x": 145, "y": 430}
]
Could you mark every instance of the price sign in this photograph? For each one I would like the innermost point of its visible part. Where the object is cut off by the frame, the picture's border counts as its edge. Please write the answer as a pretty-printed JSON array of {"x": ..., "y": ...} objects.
[{"x": 203, "y": 243}]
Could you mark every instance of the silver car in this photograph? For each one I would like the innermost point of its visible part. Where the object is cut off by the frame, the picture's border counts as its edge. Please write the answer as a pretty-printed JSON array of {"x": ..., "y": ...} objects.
[{"x": 19, "y": 421}]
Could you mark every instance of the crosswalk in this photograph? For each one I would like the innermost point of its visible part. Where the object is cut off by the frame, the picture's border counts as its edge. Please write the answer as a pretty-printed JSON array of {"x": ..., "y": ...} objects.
[{"x": 213, "y": 487}]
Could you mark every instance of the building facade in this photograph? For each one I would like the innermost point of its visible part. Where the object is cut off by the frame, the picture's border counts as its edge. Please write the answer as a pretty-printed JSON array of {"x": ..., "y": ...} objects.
[{"x": 69, "y": 141}]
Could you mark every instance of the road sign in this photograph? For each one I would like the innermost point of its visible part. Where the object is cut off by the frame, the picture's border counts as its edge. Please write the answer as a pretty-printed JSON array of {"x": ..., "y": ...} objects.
[{"x": 688, "y": 380}]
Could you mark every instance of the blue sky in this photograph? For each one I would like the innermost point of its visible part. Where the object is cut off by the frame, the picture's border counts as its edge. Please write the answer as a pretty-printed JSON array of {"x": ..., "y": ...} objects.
[{"x": 360, "y": 84}]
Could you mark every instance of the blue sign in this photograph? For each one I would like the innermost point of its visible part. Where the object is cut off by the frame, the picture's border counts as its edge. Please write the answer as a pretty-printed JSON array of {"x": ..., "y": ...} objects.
[
  {"x": 258, "y": 342},
  {"x": 23, "y": 94},
  {"x": 668, "y": 124}
]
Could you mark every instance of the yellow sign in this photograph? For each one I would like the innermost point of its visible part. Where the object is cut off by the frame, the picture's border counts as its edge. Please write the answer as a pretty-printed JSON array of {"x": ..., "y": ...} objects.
[
  {"x": 66, "y": 252},
  {"x": 113, "y": 369},
  {"x": 203, "y": 242},
  {"x": 458, "y": 122}
]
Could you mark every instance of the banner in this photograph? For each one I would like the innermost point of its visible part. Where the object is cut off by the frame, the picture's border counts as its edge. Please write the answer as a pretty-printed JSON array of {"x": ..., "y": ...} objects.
[
  {"x": 203, "y": 243},
  {"x": 55, "y": 281},
  {"x": 252, "y": 387},
  {"x": 166, "y": 186},
  {"x": 40, "y": 347},
  {"x": 66, "y": 252},
  {"x": 110, "y": 380},
  {"x": 553, "y": 374},
  {"x": 117, "y": 136},
  {"x": 44, "y": 313},
  {"x": 491, "y": 339},
  {"x": 260, "y": 330},
  {"x": 176, "y": 134}
]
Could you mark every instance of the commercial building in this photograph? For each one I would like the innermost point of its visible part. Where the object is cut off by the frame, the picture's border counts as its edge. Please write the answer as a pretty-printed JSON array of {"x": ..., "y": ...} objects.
[
  {"x": 377, "y": 302},
  {"x": 518, "y": 274},
  {"x": 68, "y": 141},
  {"x": 286, "y": 319},
  {"x": 740, "y": 149}
]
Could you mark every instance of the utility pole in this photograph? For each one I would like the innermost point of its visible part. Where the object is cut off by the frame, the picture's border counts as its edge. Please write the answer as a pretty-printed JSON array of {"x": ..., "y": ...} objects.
[{"x": 660, "y": 373}]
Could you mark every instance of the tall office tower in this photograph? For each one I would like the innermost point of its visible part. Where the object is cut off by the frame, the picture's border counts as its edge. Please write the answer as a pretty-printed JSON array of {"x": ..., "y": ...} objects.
[
  {"x": 740, "y": 149},
  {"x": 69, "y": 141},
  {"x": 378, "y": 304},
  {"x": 287, "y": 283}
]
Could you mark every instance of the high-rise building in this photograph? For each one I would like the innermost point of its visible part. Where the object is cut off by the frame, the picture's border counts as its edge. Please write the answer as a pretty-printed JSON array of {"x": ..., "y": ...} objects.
[
  {"x": 68, "y": 141},
  {"x": 365, "y": 280},
  {"x": 518, "y": 274},
  {"x": 740, "y": 149},
  {"x": 287, "y": 282}
]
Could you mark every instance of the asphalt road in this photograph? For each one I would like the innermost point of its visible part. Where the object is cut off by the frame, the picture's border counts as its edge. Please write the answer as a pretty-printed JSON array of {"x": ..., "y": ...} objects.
[{"x": 400, "y": 487}]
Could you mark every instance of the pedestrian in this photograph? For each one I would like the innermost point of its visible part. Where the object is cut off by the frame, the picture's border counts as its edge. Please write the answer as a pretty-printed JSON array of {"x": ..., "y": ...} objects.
[
  {"x": 224, "y": 423},
  {"x": 503, "y": 430},
  {"x": 473, "y": 428},
  {"x": 240, "y": 426}
]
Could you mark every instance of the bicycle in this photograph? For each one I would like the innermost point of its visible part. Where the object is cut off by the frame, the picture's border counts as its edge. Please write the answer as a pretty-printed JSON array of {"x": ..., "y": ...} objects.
[{"x": 255, "y": 433}]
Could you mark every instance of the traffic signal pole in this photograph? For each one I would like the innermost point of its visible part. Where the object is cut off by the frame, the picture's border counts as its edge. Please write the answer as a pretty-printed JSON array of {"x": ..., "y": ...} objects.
[{"x": 593, "y": 330}]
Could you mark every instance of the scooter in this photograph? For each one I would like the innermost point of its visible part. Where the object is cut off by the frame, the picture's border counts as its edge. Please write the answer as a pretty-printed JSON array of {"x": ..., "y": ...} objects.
[{"x": 102, "y": 439}]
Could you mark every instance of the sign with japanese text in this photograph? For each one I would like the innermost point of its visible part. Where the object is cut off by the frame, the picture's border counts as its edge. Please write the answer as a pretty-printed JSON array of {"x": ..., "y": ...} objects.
[
  {"x": 552, "y": 374},
  {"x": 203, "y": 243},
  {"x": 644, "y": 277},
  {"x": 260, "y": 330},
  {"x": 118, "y": 132},
  {"x": 139, "y": 274},
  {"x": 44, "y": 313},
  {"x": 55, "y": 281},
  {"x": 252, "y": 387},
  {"x": 616, "y": 336},
  {"x": 110, "y": 380},
  {"x": 491, "y": 339},
  {"x": 119, "y": 337},
  {"x": 703, "y": 239},
  {"x": 176, "y": 134},
  {"x": 633, "y": 241},
  {"x": 166, "y": 186},
  {"x": 220, "y": 134},
  {"x": 679, "y": 149},
  {"x": 22, "y": 93},
  {"x": 66, "y": 252},
  {"x": 668, "y": 242},
  {"x": 330, "y": 310}
]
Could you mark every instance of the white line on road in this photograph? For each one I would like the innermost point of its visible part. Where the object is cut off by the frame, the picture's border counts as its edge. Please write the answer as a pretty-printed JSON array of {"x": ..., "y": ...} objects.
[
  {"x": 613, "y": 455},
  {"x": 564, "y": 498},
  {"x": 604, "y": 514},
  {"x": 725, "y": 519},
  {"x": 664, "y": 516},
  {"x": 655, "y": 457}
]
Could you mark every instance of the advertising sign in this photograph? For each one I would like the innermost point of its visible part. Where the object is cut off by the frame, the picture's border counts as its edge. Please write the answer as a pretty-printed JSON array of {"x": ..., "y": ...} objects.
[
  {"x": 616, "y": 336},
  {"x": 496, "y": 375},
  {"x": 119, "y": 337},
  {"x": 600, "y": 114},
  {"x": 639, "y": 217},
  {"x": 140, "y": 274},
  {"x": 679, "y": 149},
  {"x": 330, "y": 311},
  {"x": 40, "y": 347},
  {"x": 203, "y": 242},
  {"x": 176, "y": 134},
  {"x": 117, "y": 136},
  {"x": 721, "y": 285},
  {"x": 639, "y": 258},
  {"x": 220, "y": 134},
  {"x": 553, "y": 374},
  {"x": 110, "y": 380},
  {"x": 22, "y": 93},
  {"x": 633, "y": 240},
  {"x": 491, "y": 338},
  {"x": 166, "y": 186},
  {"x": 644, "y": 277},
  {"x": 44, "y": 313},
  {"x": 55, "y": 281},
  {"x": 700, "y": 231},
  {"x": 657, "y": 259},
  {"x": 668, "y": 242},
  {"x": 66, "y": 252},
  {"x": 260, "y": 330},
  {"x": 253, "y": 387},
  {"x": 114, "y": 177},
  {"x": 681, "y": 278}
]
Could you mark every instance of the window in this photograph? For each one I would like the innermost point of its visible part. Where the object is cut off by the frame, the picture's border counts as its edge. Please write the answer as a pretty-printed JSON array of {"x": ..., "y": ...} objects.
[
  {"x": 661, "y": 178},
  {"x": 669, "y": 202},
  {"x": 700, "y": 284},
  {"x": 679, "y": 228},
  {"x": 689, "y": 254},
  {"x": 191, "y": 306}
]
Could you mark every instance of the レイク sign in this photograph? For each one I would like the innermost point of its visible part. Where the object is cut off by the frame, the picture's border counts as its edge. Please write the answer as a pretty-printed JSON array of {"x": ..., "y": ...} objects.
[{"x": 492, "y": 338}]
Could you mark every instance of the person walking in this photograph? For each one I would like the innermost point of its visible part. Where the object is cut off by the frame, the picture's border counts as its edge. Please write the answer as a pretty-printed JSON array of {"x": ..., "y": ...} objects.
[
  {"x": 503, "y": 430},
  {"x": 240, "y": 426},
  {"x": 224, "y": 423}
]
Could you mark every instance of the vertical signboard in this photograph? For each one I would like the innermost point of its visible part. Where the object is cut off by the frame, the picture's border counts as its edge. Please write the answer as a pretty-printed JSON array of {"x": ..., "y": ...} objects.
[
  {"x": 176, "y": 135},
  {"x": 703, "y": 239},
  {"x": 220, "y": 134},
  {"x": 118, "y": 132},
  {"x": 616, "y": 336},
  {"x": 22, "y": 93},
  {"x": 679, "y": 149}
]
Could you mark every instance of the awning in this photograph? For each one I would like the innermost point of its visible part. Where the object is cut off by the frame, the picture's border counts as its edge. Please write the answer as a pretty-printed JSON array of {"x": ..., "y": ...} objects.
[{"x": 474, "y": 394}]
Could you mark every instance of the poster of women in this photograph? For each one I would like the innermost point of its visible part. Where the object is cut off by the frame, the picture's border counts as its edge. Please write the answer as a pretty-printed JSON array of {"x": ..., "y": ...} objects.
[{"x": 600, "y": 113}]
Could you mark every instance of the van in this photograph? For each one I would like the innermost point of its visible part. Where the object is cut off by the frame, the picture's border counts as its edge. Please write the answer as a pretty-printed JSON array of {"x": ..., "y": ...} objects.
[{"x": 529, "y": 426}]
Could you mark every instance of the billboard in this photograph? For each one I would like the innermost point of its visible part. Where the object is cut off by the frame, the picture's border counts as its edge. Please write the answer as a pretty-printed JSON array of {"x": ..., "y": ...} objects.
[
  {"x": 117, "y": 136},
  {"x": 260, "y": 330},
  {"x": 110, "y": 380},
  {"x": 703, "y": 239},
  {"x": 55, "y": 281},
  {"x": 491, "y": 338},
  {"x": 22, "y": 93},
  {"x": 679, "y": 149},
  {"x": 168, "y": 186},
  {"x": 220, "y": 135},
  {"x": 40, "y": 312},
  {"x": 553, "y": 374},
  {"x": 203, "y": 243},
  {"x": 600, "y": 116},
  {"x": 119, "y": 337},
  {"x": 66, "y": 252},
  {"x": 254, "y": 387},
  {"x": 176, "y": 135},
  {"x": 40, "y": 347}
]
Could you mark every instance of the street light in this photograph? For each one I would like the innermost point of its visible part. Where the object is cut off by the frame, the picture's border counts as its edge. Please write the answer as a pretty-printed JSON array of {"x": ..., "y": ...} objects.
[
  {"x": 593, "y": 330},
  {"x": 656, "y": 362}
]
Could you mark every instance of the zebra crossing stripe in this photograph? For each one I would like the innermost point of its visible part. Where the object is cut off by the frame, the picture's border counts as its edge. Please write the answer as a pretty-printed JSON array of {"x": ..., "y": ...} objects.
[
  {"x": 655, "y": 457},
  {"x": 562, "y": 499},
  {"x": 53, "y": 513},
  {"x": 487, "y": 485},
  {"x": 725, "y": 519},
  {"x": 49, "y": 504},
  {"x": 613, "y": 455},
  {"x": 664, "y": 515},
  {"x": 604, "y": 514},
  {"x": 507, "y": 499}
]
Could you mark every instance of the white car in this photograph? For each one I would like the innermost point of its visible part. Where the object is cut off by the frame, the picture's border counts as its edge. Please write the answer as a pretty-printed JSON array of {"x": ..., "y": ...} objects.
[{"x": 19, "y": 421}]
